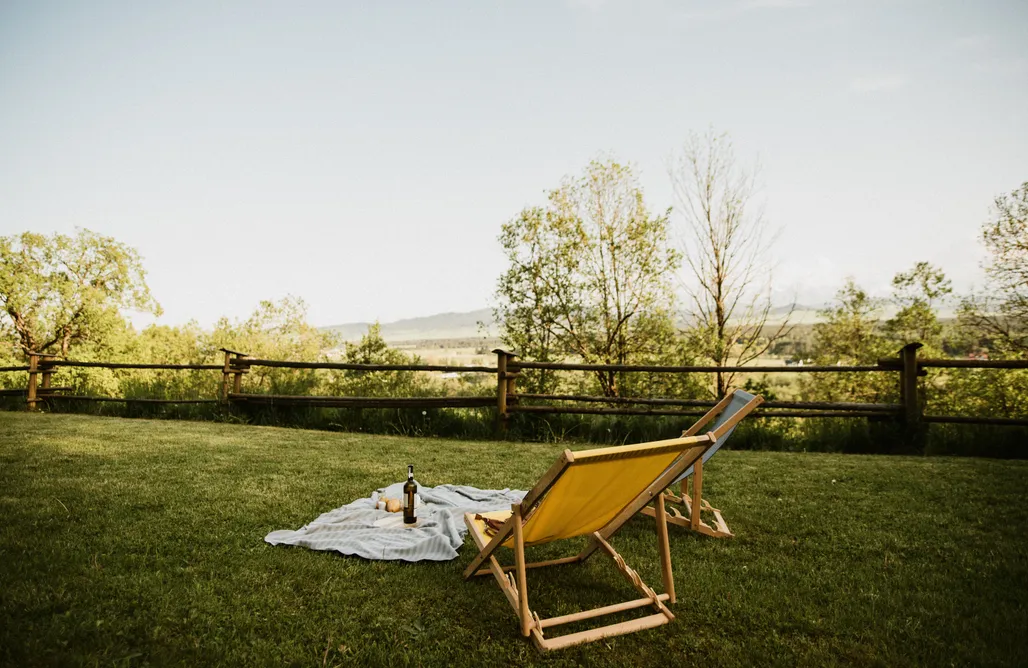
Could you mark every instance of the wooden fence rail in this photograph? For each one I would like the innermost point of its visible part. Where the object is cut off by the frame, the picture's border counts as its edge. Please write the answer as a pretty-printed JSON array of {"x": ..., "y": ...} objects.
[{"x": 508, "y": 401}]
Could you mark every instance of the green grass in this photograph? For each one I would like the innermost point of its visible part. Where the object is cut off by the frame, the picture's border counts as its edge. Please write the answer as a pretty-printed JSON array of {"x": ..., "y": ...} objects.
[{"x": 140, "y": 542}]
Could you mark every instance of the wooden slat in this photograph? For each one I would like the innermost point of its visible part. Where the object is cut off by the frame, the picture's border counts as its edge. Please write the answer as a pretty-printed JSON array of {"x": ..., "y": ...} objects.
[
  {"x": 599, "y": 612},
  {"x": 628, "y": 451},
  {"x": 571, "y": 639}
]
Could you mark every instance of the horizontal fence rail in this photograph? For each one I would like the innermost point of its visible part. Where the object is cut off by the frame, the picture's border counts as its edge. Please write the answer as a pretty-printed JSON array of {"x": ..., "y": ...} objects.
[
  {"x": 508, "y": 401},
  {"x": 627, "y": 368},
  {"x": 366, "y": 402},
  {"x": 816, "y": 405},
  {"x": 131, "y": 365},
  {"x": 132, "y": 400},
  {"x": 344, "y": 366}
]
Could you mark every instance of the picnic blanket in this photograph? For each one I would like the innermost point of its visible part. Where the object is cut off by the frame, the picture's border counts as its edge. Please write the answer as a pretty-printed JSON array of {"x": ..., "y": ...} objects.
[{"x": 360, "y": 528}]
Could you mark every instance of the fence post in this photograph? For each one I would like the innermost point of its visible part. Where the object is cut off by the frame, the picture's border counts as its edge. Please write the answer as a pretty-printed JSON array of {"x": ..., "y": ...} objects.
[
  {"x": 908, "y": 391},
  {"x": 238, "y": 370},
  {"x": 31, "y": 391},
  {"x": 224, "y": 376},
  {"x": 504, "y": 385},
  {"x": 46, "y": 369}
]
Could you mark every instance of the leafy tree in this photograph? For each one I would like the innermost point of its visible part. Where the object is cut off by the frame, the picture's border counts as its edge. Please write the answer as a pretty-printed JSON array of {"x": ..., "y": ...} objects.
[
  {"x": 588, "y": 275},
  {"x": 918, "y": 293},
  {"x": 728, "y": 273},
  {"x": 60, "y": 290},
  {"x": 849, "y": 334},
  {"x": 276, "y": 330},
  {"x": 527, "y": 306},
  {"x": 373, "y": 349},
  {"x": 1000, "y": 314}
]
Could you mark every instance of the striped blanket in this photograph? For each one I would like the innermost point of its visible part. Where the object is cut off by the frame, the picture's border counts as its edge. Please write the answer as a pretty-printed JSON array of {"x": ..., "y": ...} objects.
[{"x": 360, "y": 528}]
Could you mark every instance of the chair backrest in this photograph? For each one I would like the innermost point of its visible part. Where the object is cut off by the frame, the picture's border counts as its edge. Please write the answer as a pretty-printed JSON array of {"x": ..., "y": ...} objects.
[
  {"x": 740, "y": 399},
  {"x": 584, "y": 491}
]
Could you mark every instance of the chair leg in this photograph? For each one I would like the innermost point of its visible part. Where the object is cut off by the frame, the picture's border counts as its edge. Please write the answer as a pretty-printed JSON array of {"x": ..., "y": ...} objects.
[
  {"x": 697, "y": 491},
  {"x": 522, "y": 581},
  {"x": 694, "y": 505},
  {"x": 665, "y": 551}
]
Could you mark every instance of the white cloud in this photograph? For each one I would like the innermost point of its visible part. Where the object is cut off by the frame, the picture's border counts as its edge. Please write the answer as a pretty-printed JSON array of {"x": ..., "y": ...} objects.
[{"x": 875, "y": 84}]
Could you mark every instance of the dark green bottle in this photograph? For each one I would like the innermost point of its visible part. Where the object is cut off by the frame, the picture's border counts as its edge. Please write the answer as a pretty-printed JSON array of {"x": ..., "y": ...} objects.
[{"x": 410, "y": 488}]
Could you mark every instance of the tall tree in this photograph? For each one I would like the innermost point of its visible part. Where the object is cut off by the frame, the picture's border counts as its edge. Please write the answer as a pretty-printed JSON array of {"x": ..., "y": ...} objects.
[
  {"x": 58, "y": 290},
  {"x": 849, "y": 333},
  {"x": 1000, "y": 313},
  {"x": 589, "y": 274},
  {"x": 727, "y": 248},
  {"x": 918, "y": 293},
  {"x": 527, "y": 307},
  {"x": 275, "y": 330}
]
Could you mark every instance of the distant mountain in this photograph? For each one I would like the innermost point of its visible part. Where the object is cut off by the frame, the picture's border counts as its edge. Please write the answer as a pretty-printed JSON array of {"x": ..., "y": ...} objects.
[
  {"x": 465, "y": 325},
  {"x": 439, "y": 326}
]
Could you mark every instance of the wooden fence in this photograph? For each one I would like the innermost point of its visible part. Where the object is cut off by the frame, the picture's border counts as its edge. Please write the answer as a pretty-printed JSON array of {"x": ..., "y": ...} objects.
[{"x": 508, "y": 401}]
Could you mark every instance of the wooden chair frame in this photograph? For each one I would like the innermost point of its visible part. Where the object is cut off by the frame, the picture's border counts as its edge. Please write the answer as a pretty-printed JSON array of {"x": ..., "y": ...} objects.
[
  {"x": 692, "y": 499},
  {"x": 515, "y": 587}
]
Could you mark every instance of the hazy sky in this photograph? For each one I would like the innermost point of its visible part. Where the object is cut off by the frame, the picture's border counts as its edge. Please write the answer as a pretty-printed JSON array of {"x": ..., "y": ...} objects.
[{"x": 364, "y": 155}]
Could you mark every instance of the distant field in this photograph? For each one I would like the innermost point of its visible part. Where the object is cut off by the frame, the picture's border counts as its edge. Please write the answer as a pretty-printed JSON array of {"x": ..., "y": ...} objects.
[{"x": 140, "y": 542}]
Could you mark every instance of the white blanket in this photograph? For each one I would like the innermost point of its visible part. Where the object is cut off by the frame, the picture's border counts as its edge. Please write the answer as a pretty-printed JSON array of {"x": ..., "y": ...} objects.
[{"x": 361, "y": 529}]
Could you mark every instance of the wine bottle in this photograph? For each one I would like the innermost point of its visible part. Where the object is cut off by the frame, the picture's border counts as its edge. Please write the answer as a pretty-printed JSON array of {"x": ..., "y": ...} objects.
[{"x": 410, "y": 488}]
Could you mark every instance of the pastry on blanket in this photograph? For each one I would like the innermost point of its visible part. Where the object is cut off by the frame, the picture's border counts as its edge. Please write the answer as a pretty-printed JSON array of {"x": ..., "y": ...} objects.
[{"x": 393, "y": 505}]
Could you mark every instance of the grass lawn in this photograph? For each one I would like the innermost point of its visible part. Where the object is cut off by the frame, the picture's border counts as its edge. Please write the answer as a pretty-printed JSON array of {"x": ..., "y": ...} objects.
[{"x": 140, "y": 542}]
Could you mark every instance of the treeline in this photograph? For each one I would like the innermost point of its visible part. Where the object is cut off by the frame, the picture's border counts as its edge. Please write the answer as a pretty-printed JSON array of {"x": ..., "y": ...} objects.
[{"x": 593, "y": 275}]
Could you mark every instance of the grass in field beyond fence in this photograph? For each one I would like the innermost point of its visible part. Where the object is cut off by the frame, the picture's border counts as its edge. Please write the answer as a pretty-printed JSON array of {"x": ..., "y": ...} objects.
[{"x": 140, "y": 542}]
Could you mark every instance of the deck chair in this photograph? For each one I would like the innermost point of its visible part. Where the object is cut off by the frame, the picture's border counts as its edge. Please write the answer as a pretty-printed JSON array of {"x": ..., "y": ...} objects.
[
  {"x": 732, "y": 408},
  {"x": 586, "y": 493}
]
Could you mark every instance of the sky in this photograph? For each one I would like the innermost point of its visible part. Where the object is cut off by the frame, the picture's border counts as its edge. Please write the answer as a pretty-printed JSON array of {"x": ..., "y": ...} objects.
[{"x": 363, "y": 156}]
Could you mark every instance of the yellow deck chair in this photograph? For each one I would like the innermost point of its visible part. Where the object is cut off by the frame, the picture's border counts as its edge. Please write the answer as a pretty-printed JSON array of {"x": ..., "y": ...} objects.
[
  {"x": 729, "y": 411},
  {"x": 590, "y": 492}
]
